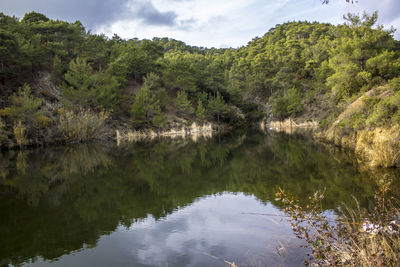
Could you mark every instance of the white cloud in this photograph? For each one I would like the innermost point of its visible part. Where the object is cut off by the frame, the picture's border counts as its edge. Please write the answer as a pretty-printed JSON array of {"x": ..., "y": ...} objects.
[
  {"x": 234, "y": 23},
  {"x": 218, "y": 23}
]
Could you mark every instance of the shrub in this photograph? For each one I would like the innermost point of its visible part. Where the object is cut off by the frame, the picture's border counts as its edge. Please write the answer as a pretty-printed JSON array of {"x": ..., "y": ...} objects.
[
  {"x": 395, "y": 84},
  {"x": 354, "y": 122},
  {"x": 386, "y": 111},
  {"x": 25, "y": 106},
  {"x": 326, "y": 122},
  {"x": 83, "y": 125},
  {"x": 43, "y": 120},
  {"x": 347, "y": 240}
]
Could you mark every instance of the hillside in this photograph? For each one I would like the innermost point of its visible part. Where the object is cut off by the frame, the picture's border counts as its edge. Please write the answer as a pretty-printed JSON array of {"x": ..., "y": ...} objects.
[{"x": 60, "y": 83}]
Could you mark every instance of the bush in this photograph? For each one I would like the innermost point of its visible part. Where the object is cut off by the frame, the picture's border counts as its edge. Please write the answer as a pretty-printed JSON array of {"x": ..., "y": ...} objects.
[
  {"x": 357, "y": 238},
  {"x": 83, "y": 125},
  {"x": 326, "y": 122},
  {"x": 24, "y": 106},
  {"x": 395, "y": 84},
  {"x": 354, "y": 122},
  {"x": 43, "y": 120},
  {"x": 386, "y": 111}
]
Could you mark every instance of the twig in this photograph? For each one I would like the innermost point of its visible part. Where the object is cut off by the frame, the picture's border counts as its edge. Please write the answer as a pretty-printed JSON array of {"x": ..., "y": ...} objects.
[
  {"x": 231, "y": 264},
  {"x": 288, "y": 216}
]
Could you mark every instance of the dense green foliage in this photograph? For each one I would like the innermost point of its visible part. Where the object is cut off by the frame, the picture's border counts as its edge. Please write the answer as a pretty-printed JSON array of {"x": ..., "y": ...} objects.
[{"x": 293, "y": 70}]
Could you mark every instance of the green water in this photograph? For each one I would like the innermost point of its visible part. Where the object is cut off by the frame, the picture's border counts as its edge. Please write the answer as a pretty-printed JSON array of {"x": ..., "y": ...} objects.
[{"x": 166, "y": 202}]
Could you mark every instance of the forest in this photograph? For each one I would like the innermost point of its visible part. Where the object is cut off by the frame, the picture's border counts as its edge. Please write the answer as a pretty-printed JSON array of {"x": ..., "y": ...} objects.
[{"x": 61, "y": 83}]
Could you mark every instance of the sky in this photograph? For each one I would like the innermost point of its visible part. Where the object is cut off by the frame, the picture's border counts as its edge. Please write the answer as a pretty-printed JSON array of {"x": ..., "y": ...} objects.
[{"x": 208, "y": 23}]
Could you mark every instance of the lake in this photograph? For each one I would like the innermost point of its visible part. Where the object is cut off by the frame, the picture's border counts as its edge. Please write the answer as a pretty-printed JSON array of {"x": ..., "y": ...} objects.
[{"x": 167, "y": 202}]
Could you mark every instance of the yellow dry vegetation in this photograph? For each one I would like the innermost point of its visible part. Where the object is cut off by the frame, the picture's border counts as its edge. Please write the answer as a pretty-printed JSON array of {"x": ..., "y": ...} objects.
[{"x": 380, "y": 147}]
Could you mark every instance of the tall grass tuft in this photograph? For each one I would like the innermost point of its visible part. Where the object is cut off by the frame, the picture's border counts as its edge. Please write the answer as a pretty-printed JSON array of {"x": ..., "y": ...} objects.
[
  {"x": 83, "y": 125},
  {"x": 356, "y": 238},
  {"x": 19, "y": 134}
]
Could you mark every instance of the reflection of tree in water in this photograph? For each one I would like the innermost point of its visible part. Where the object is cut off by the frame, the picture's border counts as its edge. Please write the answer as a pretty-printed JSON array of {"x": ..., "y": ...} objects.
[
  {"x": 89, "y": 190},
  {"x": 21, "y": 164},
  {"x": 83, "y": 159},
  {"x": 36, "y": 173},
  {"x": 4, "y": 168}
]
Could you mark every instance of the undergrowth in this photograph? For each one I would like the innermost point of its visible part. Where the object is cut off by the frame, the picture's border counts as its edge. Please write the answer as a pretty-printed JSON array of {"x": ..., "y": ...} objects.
[
  {"x": 355, "y": 238},
  {"x": 84, "y": 125}
]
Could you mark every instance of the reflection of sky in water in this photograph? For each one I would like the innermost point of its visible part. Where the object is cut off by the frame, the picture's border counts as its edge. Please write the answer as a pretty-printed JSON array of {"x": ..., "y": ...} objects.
[{"x": 211, "y": 230}]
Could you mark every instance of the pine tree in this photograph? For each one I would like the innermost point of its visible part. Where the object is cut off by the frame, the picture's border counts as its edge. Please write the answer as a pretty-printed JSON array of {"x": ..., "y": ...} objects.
[
  {"x": 200, "y": 111},
  {"x": 154, "y": 83},
  {"x": 145, "y": 108},
  {"x": 159, "y": 120},
  {"x": 78, "y": 84},
  {"x": 84, "y": 88},
  {"x": 57, "y": 70},
  {"x": 217, "y": 106},
  {"x": 183, "y": 104}
]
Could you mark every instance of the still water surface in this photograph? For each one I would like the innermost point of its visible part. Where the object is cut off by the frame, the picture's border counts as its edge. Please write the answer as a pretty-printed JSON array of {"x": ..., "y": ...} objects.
[{"x": 166, "y": 202}]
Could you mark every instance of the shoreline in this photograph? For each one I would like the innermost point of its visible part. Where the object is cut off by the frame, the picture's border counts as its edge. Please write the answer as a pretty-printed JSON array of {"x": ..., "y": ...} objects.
[{"x": 374, "y": 148}]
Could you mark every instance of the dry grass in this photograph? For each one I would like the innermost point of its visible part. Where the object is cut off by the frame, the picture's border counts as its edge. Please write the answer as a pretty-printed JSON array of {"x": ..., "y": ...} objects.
[
  {"x": 357, "y": 238},
  {"x": 194, "y": 132},
  {"x": 83, "y": 125},
  {"x": 19, "y": 134},
  {"x": 380, "y": 146}
]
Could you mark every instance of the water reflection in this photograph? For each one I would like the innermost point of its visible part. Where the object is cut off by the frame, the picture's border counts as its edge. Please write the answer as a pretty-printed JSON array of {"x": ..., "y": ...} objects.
[
  {"x": 196, "y": 235},
  {"x": 60, "y": 200}
]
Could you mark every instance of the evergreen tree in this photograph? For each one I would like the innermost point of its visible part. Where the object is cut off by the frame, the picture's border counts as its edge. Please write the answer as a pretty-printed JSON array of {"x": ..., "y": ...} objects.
[
  {"x": 183, "y": 104},
  {"x": 85, "y": 88},
  {"x": 144, "y": 108},
  {"x": 78, "y": 86},
  {"x": 34, "y": 17},
  {"x": 158, "y": 120},
  {"x": 57, "y": 70},
  {"x": 200, "y": 111},
  {"x": 154, "y": 83},
  {"x": 107, "y": 92},
  {"x": 217, "y": 106}
]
